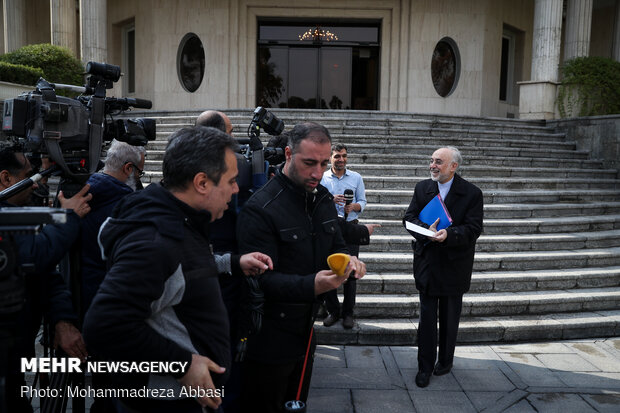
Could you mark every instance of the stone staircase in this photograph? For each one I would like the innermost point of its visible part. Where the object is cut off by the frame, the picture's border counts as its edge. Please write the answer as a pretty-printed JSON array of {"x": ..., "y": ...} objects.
[{"x": 547, "y": 265}]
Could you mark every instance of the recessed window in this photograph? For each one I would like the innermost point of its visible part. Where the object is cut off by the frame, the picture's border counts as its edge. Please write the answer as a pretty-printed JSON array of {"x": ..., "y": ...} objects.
[
  {"x": 191, "y": 62},
  {"x": 445, "y": 67},
  {"x": 129, "y": 58}
]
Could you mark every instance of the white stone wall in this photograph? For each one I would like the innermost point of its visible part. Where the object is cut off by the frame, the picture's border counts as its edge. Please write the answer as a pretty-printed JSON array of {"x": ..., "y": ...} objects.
[{"x": 410, "y": 31}]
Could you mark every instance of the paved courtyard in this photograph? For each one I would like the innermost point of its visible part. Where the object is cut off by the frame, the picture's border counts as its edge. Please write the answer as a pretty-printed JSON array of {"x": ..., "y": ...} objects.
[{"x": 562, "y": 376}]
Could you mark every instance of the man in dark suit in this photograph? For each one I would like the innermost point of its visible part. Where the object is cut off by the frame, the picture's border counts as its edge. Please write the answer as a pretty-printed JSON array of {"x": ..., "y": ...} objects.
[{"x": 442, "y": 264}]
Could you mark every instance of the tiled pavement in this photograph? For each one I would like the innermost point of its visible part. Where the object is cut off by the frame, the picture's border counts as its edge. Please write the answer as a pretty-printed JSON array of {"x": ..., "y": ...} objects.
[
  {"x": 563, "y": 376},
  {"x": 560, "y": 376}
]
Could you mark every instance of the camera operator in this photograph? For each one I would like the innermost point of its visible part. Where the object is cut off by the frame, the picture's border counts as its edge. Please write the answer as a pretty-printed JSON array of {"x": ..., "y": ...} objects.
[
  {"x": 124, "y": 165},
  {"x": 293, "y": 220},
  {"x": 45, "y": 290}
]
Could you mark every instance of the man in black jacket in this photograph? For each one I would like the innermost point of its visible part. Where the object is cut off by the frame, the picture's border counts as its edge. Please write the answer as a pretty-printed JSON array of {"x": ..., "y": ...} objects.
[
  {"x": 160, "y": 300},
  {"x": 442, "y": 264},
  {"x": 293, "y": 220}
]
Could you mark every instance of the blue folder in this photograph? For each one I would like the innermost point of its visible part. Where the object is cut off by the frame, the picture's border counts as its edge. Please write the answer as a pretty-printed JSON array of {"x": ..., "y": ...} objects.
[{"x": 433, "y": 210}]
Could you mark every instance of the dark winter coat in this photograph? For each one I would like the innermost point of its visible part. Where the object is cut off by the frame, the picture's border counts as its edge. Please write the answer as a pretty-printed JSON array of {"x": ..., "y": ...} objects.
[
  {"x": 160, "y": 299},
  {"x": 442, "y": 269},
  {"x": 298, "y": 230},
  {"x": 45, "y": 289},
  {"x": 106, "y": 191}
]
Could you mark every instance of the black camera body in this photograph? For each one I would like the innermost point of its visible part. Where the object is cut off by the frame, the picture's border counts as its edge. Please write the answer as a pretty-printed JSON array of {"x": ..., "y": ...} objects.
[
  {"x": 70, "y": 131},
  {"x": 254, "y": 151}
]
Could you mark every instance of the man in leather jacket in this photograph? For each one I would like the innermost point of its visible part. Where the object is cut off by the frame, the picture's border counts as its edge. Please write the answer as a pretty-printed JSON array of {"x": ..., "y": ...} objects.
[{"x": 293, "y": 220}]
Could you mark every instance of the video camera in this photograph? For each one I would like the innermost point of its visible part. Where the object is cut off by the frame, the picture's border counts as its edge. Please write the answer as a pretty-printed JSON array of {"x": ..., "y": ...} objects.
[
  {"x": 259, "y": 157},
  {"x": 70, "y": 131}
]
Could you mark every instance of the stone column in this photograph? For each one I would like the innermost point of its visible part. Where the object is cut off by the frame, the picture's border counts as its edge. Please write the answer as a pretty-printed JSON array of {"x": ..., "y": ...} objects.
[
  {"x": 578, "y": 25},
  {"x": 93, "y": 30},
  {"x": 616, "y": 49},
  {"x": 537, "y": 96},
  {"x": 63, "y": 25},
  {"x": 14, "y": 14}
]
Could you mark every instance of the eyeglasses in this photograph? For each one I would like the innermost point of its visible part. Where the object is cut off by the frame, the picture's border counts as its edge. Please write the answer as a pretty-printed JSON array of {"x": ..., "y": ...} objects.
[{"x": 140, "y": 171}]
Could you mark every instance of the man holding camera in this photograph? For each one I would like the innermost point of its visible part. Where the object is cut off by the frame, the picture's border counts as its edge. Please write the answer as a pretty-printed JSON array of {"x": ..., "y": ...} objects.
[
  {"x": 349, "y": 193},
  {"x": 293, "y": 220},
  {"x": 45, "y": 290}
]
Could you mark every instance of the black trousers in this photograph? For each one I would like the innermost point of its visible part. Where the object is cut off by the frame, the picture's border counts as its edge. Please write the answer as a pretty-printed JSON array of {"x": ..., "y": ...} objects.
[
  {"x": 349, "y": 290},
  {"x": 449, "y": 310},
  {"x": 267, "y": 386}
]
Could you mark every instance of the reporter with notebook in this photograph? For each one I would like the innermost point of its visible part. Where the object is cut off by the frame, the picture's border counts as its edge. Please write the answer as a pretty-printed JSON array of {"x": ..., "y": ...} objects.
[{"x": 442, "y": 264}]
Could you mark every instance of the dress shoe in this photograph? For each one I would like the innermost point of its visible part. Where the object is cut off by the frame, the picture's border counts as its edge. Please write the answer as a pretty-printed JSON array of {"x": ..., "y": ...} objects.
[
  {"x": 322, "y": 313},
  {"x": 330, "y": 320},
  {"x": 348, "y": 322},
  {"x": 422, "y": 379},
  {"x": 440, "y": 369}
]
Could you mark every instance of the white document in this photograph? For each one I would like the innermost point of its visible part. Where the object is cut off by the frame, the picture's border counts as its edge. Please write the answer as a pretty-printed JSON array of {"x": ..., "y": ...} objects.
[{"x": 420, "y": 230}]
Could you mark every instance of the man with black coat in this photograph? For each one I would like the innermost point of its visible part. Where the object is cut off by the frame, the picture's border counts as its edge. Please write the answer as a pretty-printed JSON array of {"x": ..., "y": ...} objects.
[
  {"x": 160, "y": 299},
  {"x": 44, "y": 289},
  {"x": 442, "y": 264},
  {"x": 293, "y": 220}
]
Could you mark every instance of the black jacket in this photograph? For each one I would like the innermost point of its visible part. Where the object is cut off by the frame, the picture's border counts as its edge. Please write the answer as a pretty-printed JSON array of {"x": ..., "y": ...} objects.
[
  {"x": 160, "y": 299},
  {"x": 445, "y": 268},
  {"x": 298, "y": 230},
  {"x": 106, "y": 191},
  {"x": 45, "y": 290}
]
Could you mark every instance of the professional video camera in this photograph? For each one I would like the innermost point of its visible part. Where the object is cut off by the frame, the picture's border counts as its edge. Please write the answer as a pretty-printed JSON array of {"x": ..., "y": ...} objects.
[
  {"x": 72, "y": 132},
  {"x": 254, "y": 151}
]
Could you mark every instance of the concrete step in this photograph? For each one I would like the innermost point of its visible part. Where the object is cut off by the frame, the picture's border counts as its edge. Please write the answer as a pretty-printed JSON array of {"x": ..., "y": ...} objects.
[
  {"x": 383, "y": 119},
  {"x": 376, "y": 186},
  {"x": 518, "y": 162},
  {"x": 499, "y": 150},
  {"x": 470, "y": 171},
  {"x": 512, "y": 242},
  {"x": 501, "y": 183},
  {"x": 501, "y": 281},
  {"x": 421, "y": 170},
  {"x": 551, "y": 326},
  {"x": 508, "y": 226},
  {"x": 402, "y": 196},
  {"x": 422, "y": 160},
  {"x": 509, "y": 261},
  {"x": 491, "y": 304},
  {"x": 419, "y": 136}
]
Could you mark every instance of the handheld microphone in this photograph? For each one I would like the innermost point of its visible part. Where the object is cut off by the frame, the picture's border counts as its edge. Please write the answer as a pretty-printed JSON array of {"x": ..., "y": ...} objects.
[{"x": 348, "y": 198}]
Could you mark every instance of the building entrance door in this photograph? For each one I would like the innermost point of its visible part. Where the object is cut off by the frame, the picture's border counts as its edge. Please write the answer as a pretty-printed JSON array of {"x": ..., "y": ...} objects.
[{"x": 329, "y": 68}]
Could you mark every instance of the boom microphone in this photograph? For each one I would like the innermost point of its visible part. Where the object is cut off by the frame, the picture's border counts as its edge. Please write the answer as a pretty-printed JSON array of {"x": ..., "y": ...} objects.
[{"x": 348, "y": 198}]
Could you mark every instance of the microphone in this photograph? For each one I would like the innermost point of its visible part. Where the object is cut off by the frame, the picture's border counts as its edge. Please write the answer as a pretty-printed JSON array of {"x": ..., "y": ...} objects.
[{"x": 348, "y": 198}]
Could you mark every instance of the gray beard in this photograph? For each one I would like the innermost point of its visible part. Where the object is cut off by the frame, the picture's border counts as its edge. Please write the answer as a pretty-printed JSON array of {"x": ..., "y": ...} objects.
[{"x": 132, "y": 182}]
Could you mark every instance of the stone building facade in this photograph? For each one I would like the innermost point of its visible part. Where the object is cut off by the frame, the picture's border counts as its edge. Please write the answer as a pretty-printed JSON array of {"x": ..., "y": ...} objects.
[{"x": 495, "y": 58}]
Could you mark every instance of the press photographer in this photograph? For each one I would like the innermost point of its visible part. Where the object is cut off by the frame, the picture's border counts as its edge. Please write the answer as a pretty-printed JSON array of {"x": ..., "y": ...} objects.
[
  {"x": 71, "y": 133},
  {"x": 44, "y": 289}
]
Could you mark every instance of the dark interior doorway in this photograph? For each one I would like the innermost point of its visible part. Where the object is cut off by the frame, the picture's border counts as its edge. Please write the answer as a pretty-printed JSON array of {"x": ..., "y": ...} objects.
[{"x": 306, "y": 65}]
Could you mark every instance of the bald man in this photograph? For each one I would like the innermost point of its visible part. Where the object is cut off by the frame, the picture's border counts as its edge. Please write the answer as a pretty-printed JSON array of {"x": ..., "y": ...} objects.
[{"x": 215, "y": 119}]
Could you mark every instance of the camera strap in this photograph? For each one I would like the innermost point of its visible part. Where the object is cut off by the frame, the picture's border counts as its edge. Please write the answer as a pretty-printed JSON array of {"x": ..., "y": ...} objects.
[{"x": 97, "y": 116}]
